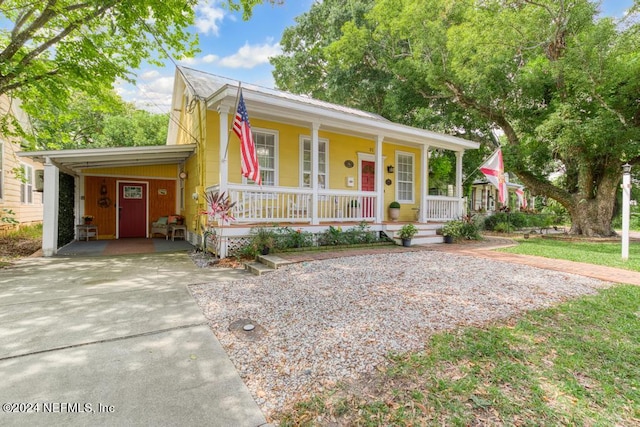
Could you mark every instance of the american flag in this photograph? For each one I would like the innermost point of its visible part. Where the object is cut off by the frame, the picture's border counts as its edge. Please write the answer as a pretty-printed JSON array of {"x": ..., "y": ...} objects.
[{"x": 248, "y": 155}]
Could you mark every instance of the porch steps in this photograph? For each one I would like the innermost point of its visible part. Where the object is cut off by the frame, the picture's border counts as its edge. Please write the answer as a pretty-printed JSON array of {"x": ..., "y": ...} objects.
[
  {"x": 427, "y": 233},
  {"x": 273, "y": 261},
  {"x": 257, "y": 268},
  {"x": 265, "y": 264}
]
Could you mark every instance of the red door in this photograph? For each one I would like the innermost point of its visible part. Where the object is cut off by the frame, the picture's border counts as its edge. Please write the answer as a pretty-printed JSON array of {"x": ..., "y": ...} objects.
[
  {"x": 132, "y": 209},
  {"x": 368, "y": 180}
]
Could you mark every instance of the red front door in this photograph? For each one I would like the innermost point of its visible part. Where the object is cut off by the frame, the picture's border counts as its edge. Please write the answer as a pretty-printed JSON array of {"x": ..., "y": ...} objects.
[
  {"x": 368, "y": 180},
  {"x": 132, "y": 209}
]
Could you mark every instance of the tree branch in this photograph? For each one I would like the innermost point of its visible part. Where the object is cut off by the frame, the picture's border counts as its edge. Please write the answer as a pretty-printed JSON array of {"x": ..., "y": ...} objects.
[
  {"x": 487, "y": 112},
  {"x": 17, "y": 42},
  {"x": 17, "y": 84},
  {"x": 20, "y": 22}
]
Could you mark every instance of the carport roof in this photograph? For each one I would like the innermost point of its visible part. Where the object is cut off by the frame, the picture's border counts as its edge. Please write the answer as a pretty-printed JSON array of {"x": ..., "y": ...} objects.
[{"x": 76, "y": 160}]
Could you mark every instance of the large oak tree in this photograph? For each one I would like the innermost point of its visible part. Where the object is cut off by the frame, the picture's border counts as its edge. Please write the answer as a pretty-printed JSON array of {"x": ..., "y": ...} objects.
[
  {"x": 558, "y": 81},
  {"x": 52, "y": 49}
]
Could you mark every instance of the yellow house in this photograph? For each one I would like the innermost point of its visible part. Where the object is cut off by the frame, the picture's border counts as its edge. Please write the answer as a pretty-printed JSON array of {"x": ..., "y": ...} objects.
[{"x": 320, "y": 164}]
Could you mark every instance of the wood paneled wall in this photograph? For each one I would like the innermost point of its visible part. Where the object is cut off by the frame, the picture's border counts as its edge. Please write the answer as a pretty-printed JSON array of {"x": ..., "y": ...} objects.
[{"x": 162, "y": 201}]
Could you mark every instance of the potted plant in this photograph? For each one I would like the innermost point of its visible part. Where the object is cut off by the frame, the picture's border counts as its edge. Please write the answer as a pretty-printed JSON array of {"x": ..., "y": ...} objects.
[
  {"x": 394, "y": 211},
  {"x": 406, "y": 233},
  {"x": 452, "y": 231},
  {"x": 87, "y": 219},
  {"x": 263, "y": 239}
]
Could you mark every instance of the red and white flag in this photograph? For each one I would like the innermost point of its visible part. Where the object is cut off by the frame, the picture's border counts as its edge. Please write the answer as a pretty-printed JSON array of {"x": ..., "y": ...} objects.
[
  {"x": 521, "y": 198},
  {"x": 248, "y": 155},
  {"x": 493, "y": 169}
]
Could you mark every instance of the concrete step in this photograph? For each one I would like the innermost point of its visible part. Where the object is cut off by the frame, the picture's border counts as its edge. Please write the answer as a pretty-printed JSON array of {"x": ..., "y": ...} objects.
[
  {"x": 257, "y": 268},
  {"x": 421, "y": 240},
  {"x": 419, "y": 225},
  {"x": 273, "y": 261},
  {"x": 424, "y": 240}
]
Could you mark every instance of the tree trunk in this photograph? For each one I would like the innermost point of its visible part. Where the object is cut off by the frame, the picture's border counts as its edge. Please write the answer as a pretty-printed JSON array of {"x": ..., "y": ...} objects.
[{"x": 592, "y": 218}]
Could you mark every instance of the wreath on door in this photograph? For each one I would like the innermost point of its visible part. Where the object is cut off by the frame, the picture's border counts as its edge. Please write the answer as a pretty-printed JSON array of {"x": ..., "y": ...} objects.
[{"x": 104, "y": 201}]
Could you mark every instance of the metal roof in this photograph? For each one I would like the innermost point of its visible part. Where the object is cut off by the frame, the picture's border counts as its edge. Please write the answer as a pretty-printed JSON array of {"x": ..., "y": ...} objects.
[
  {"x": 74, "y": 161},
  {"x": 284, "y": 107},
  {"x": 205, "y": 85}
]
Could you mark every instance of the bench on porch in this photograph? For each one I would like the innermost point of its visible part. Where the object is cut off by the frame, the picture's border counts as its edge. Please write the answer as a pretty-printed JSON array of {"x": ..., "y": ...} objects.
[{"x": 164, "y": 224}]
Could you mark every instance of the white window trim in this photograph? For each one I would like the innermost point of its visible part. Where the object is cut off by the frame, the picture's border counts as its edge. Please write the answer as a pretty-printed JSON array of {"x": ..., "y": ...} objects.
[
  {"x": 276, "y": 153},
  {"x": 26, "y": 188},
  {"x": 413, "y": 180},
  {"x": 326, "y": 160}
]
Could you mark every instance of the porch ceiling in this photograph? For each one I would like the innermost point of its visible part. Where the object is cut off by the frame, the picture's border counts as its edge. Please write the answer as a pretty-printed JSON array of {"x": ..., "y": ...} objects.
[{"x": 76, "y": 160}]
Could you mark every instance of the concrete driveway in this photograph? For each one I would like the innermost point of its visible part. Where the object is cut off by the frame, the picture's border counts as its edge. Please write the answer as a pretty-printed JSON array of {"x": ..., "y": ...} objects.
[{"x": 114, "y": 341}]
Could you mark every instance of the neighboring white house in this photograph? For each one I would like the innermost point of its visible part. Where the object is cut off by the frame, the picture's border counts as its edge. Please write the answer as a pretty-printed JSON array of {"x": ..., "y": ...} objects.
[
  {"x": 484, "y": 197},
  {"x": 18, "y": 175}
]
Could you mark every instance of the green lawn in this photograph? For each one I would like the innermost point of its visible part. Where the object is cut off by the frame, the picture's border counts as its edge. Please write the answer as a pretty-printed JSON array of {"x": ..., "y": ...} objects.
[
  {"x": 575, "y": 364},
  {"x": 608, "y": 253}
]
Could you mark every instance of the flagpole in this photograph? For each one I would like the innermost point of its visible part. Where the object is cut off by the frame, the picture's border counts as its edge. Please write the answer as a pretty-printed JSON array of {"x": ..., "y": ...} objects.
[{"x": 235, "y": 110}]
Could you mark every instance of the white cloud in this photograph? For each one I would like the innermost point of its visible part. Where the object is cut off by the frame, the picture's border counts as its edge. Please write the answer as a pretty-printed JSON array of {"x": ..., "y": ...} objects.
[
  {"x": 208, "y": 17},
  {"x": 188, "y": 61},
  {"x": 249, "y": 56},
  {"x": 152, "y": 94},
  {"x": 147, "y": 75},
  {"x": 209, "y": 59}
]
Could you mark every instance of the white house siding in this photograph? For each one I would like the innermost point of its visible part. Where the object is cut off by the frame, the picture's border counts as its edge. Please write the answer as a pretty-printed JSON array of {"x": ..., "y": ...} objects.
[{"x": 11, "y": 185}]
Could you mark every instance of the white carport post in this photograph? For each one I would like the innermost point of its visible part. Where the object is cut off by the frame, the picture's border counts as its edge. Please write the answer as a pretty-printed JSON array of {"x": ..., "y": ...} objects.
[
  {"x": 379, "y": 180},
  {"x": 459, "y": 155},
  {"x": 50, "y": 201},
  {"x": 315, "y": 165},
  {"x": 424, "y": 162}
]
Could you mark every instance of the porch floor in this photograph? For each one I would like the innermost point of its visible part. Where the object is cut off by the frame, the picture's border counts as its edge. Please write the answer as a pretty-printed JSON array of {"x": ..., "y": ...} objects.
[{"x": 123, "y": 247}]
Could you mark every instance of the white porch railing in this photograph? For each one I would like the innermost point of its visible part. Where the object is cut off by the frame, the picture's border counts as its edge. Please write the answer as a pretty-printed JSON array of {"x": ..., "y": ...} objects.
[
  {"x": 345, "y": 205},
  {"x": 292, "y": 204},
  {"x": 443, "y": 208}
]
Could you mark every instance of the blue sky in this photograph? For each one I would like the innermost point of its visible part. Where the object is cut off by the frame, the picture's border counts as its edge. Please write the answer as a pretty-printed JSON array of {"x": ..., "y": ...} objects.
[{"x": 240, "y": 49}]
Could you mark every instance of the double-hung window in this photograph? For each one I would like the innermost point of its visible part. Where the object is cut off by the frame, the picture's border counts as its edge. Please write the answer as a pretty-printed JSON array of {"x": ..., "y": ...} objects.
[
  {"x": 266, "y": 143},
  {"x": 323, "y": 161},
  {"x": 405, "y": 177},
  {"x": 26, "y": 187}
]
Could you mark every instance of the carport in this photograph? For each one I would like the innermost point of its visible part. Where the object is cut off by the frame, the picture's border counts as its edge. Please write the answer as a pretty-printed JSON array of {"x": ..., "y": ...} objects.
[{"x": 119, "y": 163}]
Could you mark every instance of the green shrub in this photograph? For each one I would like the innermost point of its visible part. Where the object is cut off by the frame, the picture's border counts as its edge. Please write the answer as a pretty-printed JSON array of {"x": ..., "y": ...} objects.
[
  {"x": 287, "y": 238},
  {"x": 453, "y": 229},
  {"x": 356, "y": 235},
  {"x": 503, "y": 227},
  {"x": 407, "y": 231},
  {"x": 394, "y": 205},
  {"x": 470, "y": 230},
  {"x": 7, "y": 216}
]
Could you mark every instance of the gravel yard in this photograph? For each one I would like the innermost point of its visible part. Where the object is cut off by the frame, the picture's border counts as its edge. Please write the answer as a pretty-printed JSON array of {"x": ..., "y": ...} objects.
[{"x": 327, "y": 321}]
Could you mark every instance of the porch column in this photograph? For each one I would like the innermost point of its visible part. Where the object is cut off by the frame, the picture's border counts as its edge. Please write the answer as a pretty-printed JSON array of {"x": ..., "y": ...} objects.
[
  {"x": 379, "y": 180},
  {"x": 223, "y": 178},
  {"x": 459, "y": 155},
  {"x": 50, "y": 209},
  {"x": 315, "y": 165},
  {"x": 424, "y": 162}
]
